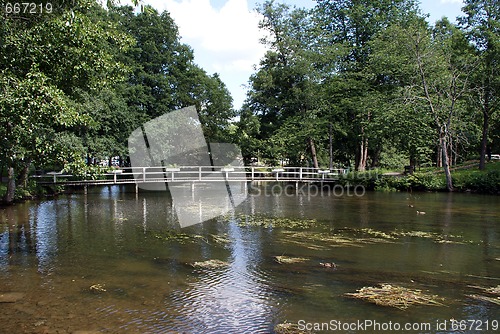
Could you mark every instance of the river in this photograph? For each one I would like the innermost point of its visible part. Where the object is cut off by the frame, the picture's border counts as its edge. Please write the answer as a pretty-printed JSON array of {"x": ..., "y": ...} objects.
[{"x": 114, "y": 261}]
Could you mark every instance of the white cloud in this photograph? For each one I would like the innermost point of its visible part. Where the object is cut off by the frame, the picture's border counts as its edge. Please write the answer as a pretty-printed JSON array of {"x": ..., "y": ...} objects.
[
  {"x": 225, "y": 40},
  {"x": 231, "y": 31}
]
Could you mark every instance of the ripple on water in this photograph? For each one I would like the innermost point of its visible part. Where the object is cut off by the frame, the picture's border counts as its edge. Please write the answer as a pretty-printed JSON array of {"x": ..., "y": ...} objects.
[
  {"x": 233, "y": 299},
  {"x": 230, "y": 300}
]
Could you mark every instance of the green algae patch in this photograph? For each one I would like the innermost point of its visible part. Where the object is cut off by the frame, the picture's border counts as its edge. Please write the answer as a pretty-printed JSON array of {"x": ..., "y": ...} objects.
[
  {"x": 220, "y": 239},
  {"x": 491, "y": 294},
  {"x": 281, "y": 259},
  {"x": 210, "y": 264},
  {"x": 289, "y": 328},
  {"x": 276, "y": 222},
  {"x": 395, "y": 296},
  {"x": 329, "y": 239},
  {"x": 175, "y": 236}
]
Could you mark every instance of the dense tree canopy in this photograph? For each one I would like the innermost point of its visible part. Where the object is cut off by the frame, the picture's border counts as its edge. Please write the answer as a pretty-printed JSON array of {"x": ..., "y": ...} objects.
[
  {"x": 77, "y": 81},
  {"x": 377, "y": 80},
  {"x": 352, "y": 83}
]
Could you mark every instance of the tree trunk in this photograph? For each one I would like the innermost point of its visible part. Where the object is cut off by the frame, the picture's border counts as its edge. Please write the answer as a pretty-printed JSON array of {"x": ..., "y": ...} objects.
[
  {"x": 450, "y": 151},
  {"x": 439, "y": 157},
  {"x": 330, "y": 139},
  {"x": 484, "y": 141},
  {"x": 413, "y": 160},
  {"x": 23, "y": 176},
  {"x": 445, "y": 160},
  {"x": 11, "y": 186},
  {"x": 363, "y": 154},
  {"x": 376, "y": 157},
  {"x": 314, "y": 157}
]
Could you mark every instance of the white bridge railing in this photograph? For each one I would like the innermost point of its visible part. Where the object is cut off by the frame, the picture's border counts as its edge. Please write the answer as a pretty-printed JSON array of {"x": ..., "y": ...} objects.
[{"x": 197, "y": 174}]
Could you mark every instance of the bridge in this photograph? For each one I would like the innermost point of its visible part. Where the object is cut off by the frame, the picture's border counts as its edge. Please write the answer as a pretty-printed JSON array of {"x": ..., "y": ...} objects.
[{"x": 193, "y": 174}]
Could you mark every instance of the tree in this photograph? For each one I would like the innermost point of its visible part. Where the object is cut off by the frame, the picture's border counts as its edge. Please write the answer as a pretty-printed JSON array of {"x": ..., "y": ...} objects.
[
  {"x": 32, "y": 112},
  {"x": 51, "y": 60},
  {"x": 286, "y": 85},
  {"x": 435, "y": 68},
  {"x": 482, "y": 24},
  {"x": 347, "y": 27},
  {"x": 164, "y": 76}
]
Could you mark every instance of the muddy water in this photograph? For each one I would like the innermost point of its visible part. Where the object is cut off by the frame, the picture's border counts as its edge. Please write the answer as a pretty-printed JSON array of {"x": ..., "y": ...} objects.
[{"x": 116, "y": 262}]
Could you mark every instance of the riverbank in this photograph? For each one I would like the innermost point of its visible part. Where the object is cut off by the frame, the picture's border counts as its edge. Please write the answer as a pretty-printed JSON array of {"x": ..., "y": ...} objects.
[
  {"x": 466, "y": 178},
  {"x": 31, "y": 191}
]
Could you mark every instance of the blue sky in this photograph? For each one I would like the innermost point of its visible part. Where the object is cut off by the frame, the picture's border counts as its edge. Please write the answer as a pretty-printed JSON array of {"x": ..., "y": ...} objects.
[{"x": 224, "y": 34}]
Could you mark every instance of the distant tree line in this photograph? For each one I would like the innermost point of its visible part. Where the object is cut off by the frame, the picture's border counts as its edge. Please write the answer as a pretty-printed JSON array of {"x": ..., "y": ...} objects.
[
  {"x": 370, "y": 83},
  {"x": 76, "y": 81}
]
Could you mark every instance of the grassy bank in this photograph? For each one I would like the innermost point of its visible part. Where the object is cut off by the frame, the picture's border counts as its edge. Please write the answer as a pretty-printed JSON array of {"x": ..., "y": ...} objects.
[{"x": 466, "y": 178}]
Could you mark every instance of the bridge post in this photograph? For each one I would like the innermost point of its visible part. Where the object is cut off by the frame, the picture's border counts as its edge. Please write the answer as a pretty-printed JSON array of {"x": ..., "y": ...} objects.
[
  {"x": 143, "y": 174},
  {"x": 199, "y": 173},
  {"x": 253, "y": 173},
  {"x": 114, "y": 177},
  {"x": 300, "y": 173}
]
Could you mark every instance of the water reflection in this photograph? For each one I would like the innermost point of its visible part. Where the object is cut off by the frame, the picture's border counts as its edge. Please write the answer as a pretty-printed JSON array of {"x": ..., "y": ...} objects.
[{"x": 237, "y": 297}]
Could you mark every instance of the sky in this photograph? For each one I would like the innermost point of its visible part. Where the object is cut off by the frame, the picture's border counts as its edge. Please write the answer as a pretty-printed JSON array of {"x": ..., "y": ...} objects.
[{"x": 224, "y": 34}]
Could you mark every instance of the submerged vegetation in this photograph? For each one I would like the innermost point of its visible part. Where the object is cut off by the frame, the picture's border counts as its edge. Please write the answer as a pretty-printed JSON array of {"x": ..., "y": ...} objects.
[
  {"x": 289, "y": 328},
  {"x": 210, "y": 264},
  {"x": 281, "y": 259},
  {"x": 395, "y": 296},
  {"x": 491, "y": 294},
  {"x": 276, "y": 222}
]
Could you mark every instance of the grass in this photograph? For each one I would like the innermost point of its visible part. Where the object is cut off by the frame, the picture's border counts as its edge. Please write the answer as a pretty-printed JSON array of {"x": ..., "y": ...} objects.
[{"x": 466, "y": 177}]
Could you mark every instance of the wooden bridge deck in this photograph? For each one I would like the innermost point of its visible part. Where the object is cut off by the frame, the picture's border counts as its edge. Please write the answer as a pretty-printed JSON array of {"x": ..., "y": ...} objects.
[{"x": 193, "y": 174}]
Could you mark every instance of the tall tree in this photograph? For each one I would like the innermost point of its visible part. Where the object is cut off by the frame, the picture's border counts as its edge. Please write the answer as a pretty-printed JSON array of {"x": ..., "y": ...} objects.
[
  {"x": 165, "y": 77},
  {"x": 286, "y": 84},
  {"x": 49, "y": 61},
  {"x": 349, "y": 26},
  {"x": 435, "y": 66},
  {"x": 482, "y": 24}
]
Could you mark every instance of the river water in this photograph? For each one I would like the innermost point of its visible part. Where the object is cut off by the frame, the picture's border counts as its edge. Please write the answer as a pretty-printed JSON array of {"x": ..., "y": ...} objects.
[{"x": 114, "y": 261}]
